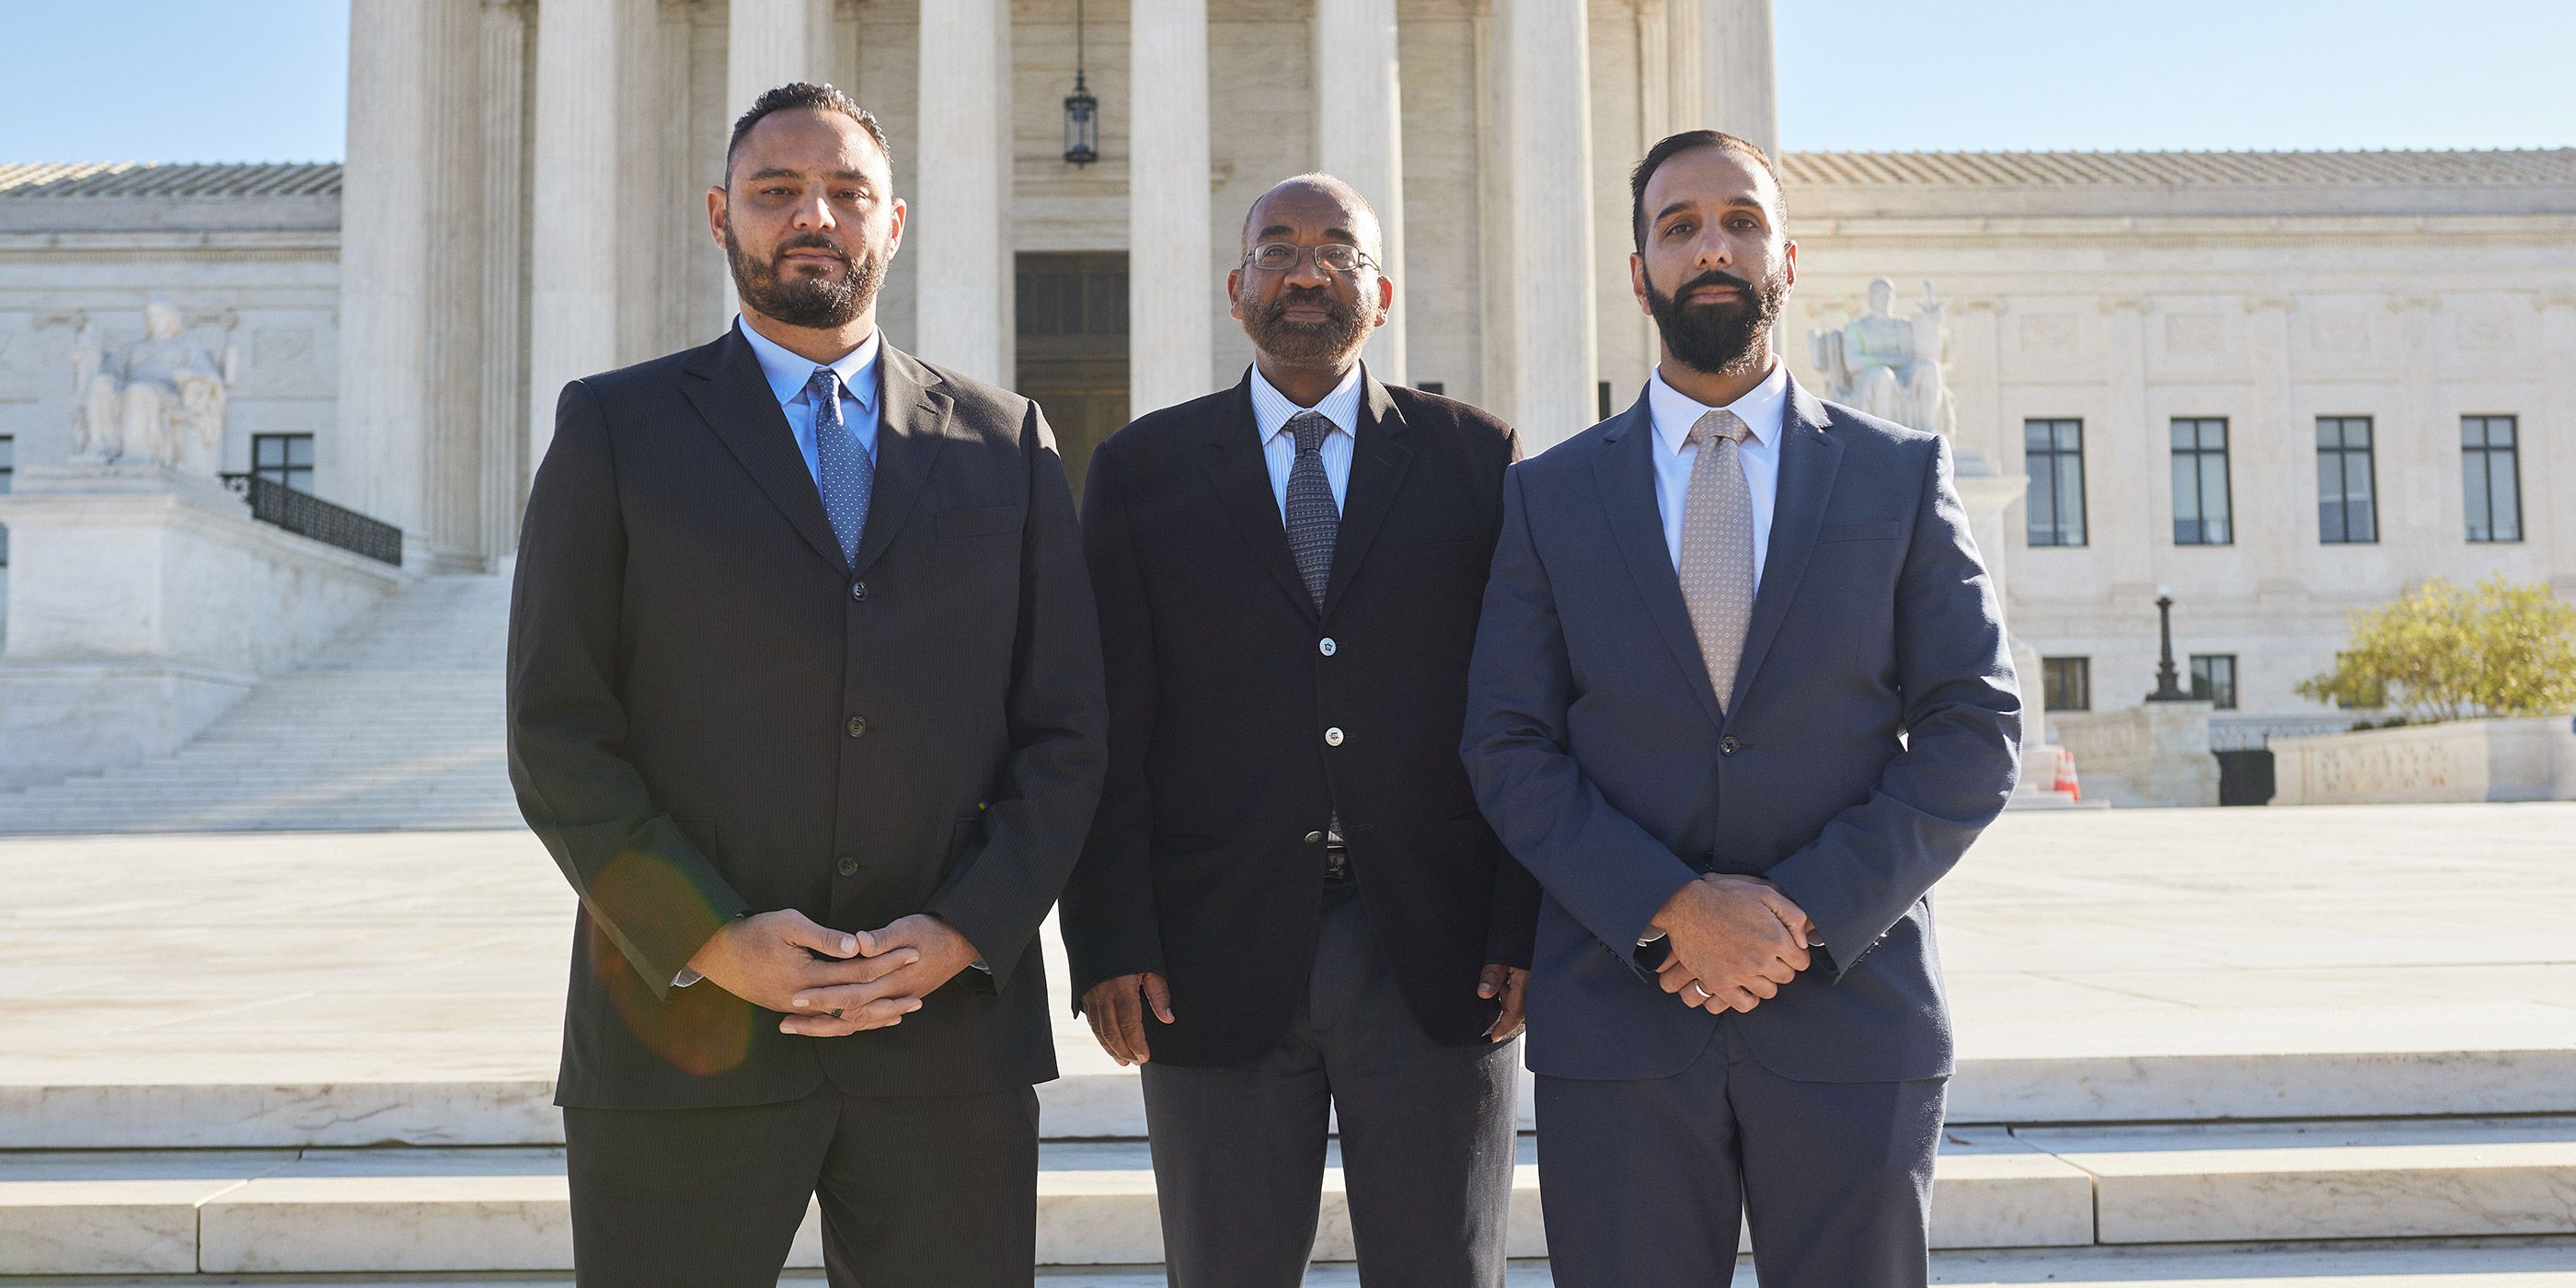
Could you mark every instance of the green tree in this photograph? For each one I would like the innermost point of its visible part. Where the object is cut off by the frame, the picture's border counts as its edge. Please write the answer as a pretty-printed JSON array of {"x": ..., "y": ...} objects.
[{"x": 2445, "y": 653}]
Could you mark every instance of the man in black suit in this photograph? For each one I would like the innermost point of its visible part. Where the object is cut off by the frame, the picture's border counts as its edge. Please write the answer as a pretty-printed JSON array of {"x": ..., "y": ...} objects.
[
  {"x": 1288, "y": 872},
  {"x": 805, "y": 699}
]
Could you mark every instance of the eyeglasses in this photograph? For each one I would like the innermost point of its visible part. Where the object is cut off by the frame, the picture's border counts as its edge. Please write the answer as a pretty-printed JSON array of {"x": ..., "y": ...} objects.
[{"x": 1279, "y": 257}]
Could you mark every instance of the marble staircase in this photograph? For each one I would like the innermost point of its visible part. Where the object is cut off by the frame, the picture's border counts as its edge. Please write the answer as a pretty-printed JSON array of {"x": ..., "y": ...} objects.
[{"x": 397, "y": 725}]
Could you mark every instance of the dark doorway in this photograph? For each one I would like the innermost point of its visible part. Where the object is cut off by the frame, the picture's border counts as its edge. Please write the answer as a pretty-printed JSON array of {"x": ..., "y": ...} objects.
[
  {"x": 2245, "y": 777},
  {"x": 1073, "y": 348}
]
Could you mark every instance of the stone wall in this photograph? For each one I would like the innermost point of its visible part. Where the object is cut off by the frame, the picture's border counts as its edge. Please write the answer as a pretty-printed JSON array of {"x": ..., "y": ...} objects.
[{"x": 2467, "y": 760}]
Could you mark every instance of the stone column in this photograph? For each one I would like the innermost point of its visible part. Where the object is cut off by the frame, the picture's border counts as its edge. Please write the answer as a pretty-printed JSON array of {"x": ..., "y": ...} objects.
[
  {"x": 374, "y": 464},
  {"x": 769, "y": 43},
  {"x": 2420, "y": 501},
  {"x": 1554, "y": 349},
  {"x": 1670, "y": 94},
  {"x": 1359, "y": 137},
  {"x": 449, "y": 470},
  {"x": 960, "y": 229},
  {"x": 1737, "y": 70},
  {"x": 504, "y": 264},
  {"x": 2127, "y": 448},
  {"x": 2276, "y": 445},
  {"x": 1171, "y": 299},
  {"x": 574, "y": 266}
]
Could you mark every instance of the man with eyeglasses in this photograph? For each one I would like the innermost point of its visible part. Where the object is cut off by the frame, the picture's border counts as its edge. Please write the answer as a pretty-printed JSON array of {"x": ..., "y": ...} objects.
[{"x": 1289, "y": 906}]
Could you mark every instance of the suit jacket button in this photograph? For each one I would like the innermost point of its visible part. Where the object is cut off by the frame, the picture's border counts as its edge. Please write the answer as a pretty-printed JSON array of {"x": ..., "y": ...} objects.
[
  {"x": 849, "y": 866},
  {"x": 1313, "y": 837},
  {"x": 859, "y": 591},
  {"x": 1333, "y": 737},
  {"x": 1728, "y": 747},
  {"x": 858, "y": 725},
  {"x": 1327, "y": 647}
]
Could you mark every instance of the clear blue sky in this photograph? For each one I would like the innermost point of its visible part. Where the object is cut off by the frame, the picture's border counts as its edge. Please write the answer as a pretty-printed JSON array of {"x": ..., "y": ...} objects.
[{"x": 264, "y": 80}]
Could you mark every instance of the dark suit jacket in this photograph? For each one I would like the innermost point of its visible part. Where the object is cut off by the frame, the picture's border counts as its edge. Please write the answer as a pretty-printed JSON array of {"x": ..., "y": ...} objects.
[
  {"x": 1199, "y": 866},
  {"x": 1870, "y": 737},
  {"x": 688, "y": 658}
]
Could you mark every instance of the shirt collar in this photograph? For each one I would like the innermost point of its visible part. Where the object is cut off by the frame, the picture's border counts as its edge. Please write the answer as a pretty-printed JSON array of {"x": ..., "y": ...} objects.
[
  {"x": 787, "y": 373},
  {"x": 1272, "y": 410},
  {"x": 1761, "y": 408}
]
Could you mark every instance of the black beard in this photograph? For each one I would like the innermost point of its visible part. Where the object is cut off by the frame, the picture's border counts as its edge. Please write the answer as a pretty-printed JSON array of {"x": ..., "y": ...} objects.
[
  {"x": 804, "y": 300},
  {"x": 1719, "y": 339},
  {"x": 1307, "y": 344}
]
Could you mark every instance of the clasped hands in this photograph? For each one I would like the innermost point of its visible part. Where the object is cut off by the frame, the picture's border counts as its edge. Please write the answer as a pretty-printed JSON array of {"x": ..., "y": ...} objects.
[
  {"x": 831, "y": 983},
  {"x": 1735, "y": 940}
]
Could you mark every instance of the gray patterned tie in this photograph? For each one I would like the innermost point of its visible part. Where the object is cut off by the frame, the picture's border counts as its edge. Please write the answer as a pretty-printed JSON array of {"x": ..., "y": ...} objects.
[
  {"x": 1717, "y": 547},
  {"x": 1312, "y": 517},
  {"x": 847, "y": 476}
]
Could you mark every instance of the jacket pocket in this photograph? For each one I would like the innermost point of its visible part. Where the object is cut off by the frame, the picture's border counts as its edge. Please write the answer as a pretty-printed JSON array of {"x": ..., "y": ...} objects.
[{"x": 982, "y": 522}]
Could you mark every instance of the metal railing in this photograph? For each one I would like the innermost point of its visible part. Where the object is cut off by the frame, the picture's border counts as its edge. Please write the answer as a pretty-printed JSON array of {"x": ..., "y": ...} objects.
[{"x": 307, "y": 515}]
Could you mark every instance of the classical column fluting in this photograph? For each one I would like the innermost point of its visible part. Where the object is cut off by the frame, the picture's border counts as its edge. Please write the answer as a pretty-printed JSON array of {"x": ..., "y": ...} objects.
[
  {"x": 504, "y": 390},
  {"x": 1555, "y": 346},
  {"x": 1359, "y": 137},
  {"x": 449, "y": 472},
  {"x": 959, "y": 229},
  {"x": 381, "y": 433},
  {"x": 769, "y": 43},
  {"x": 1737, "y": 70},
  {"x": 1171, "y": 297},
  {"x": 574, "y": 263}
]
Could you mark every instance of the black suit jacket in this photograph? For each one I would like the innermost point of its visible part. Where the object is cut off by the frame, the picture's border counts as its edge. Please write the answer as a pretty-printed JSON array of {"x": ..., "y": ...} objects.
[
  {"x": 1220, "y": 693},
  {"x": 690, "y": 667}
]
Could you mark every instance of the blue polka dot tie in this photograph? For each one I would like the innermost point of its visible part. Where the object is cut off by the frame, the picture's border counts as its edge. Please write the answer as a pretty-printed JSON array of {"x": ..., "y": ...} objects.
[
  {"x": 1313, "y": 519},
  {"x": 847, "y": 475}
]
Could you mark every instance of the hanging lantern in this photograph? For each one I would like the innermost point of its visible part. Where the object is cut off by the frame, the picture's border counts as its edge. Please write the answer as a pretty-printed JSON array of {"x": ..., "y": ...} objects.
[
  {"x": 1081, "y": 108},
  {"x": 1081, "y": 125}
]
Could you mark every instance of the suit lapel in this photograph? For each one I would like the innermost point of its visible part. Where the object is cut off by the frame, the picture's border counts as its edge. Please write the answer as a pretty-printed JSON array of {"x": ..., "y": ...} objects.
[
  {"x": 1624, "y": 466},
  {"x": 1242, "y": 481},
  {"x": 912, "y": 423},
  {"x": 1379, "y": 459},
  {"x": 1808, "y": 458},
  {"x": 733, "y": 396}
]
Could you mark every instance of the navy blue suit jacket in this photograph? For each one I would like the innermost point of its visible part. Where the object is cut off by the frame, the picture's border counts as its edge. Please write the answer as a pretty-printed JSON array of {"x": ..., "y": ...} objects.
[{"x": 1870, "y": 737}]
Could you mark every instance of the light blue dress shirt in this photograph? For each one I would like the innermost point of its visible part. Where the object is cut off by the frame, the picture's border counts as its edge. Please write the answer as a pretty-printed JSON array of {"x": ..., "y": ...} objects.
[
  {"x": 788, "y": 375},
  {"x": 1271, "y": 412},
  {"x": 1762, "y": 411}
]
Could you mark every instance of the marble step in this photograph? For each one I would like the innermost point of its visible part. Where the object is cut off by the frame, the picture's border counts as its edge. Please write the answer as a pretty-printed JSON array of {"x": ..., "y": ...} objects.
[
  {"x": 1095, "y": 1099},
  {"x": 487, "y": 1210},
  {"x": 2444, "y": 1264}
]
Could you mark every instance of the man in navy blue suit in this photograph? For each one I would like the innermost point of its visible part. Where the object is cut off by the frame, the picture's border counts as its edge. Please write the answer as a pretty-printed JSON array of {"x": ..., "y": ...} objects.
[{"x": 1740, "y": 696}]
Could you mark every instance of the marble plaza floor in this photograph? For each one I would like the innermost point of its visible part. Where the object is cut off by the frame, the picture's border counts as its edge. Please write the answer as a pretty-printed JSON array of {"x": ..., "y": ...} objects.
[
  {"x": 236, "y": 1057},
  {"x": 2103, "y": 964}
]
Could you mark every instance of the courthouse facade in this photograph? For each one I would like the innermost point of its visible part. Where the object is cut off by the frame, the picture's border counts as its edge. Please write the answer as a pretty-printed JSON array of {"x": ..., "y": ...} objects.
[{"x": 2281, "y": 385}]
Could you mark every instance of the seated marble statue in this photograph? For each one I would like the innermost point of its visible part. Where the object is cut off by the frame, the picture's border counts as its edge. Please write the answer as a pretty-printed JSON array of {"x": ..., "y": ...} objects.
[
  {"x": 157, "y": 401},
  {"x": 1889, "y": 366}
]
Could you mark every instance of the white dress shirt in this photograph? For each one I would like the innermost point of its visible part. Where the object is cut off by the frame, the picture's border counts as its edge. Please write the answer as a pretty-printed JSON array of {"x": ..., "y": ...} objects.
[
  {"x": 1271, "y": 411},
  {"x": 788, "y": 375},
  {"x": 1675, "y": 412}
]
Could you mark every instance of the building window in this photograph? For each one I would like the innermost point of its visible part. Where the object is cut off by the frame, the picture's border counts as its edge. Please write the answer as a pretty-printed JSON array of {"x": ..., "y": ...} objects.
[
  {"x": 2213, "y": 679},
  {"x": 2066, "y": 683},
  {"x": 2053, "y": 456},
  {"x": 8, "y": 474},
  {"x": 2491, "y": 475},
  {"x": 1432, "y": 387},
  {"x": 2200, "y": 482},
  {"x": 2347, "y": 495},
  {"x": 284, "y": 458}
]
